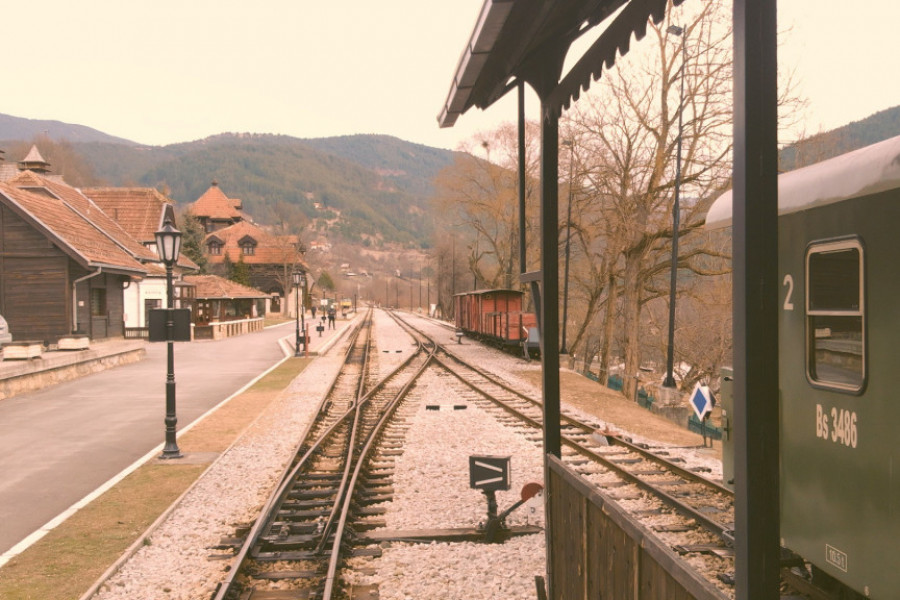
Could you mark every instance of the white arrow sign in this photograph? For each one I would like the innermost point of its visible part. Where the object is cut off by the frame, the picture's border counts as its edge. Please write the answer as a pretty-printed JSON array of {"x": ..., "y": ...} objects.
[
  {"x": 489, "y": 472},
  {"x": 481, "y": 482}
]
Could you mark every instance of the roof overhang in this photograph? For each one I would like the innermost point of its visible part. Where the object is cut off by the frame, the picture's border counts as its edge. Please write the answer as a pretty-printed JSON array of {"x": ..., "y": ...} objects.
[{"x": 519, "y": 40}]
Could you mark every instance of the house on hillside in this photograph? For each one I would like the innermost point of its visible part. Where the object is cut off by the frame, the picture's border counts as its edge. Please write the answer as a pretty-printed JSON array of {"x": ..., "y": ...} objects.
[
  {"x": 268, "y": 258},
  {"x": 214, "y": 210},
  {"x": 141, "y": 212},
  {"x": 63, "y": 266}
]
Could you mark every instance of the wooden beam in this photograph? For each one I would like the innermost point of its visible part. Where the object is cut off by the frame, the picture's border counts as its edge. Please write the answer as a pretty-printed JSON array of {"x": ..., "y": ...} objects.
[{"x": 756, "y": 463}]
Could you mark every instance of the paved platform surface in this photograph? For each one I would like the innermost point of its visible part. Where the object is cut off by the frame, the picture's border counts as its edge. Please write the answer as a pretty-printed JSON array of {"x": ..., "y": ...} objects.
[{"x": 60, "y": 444}]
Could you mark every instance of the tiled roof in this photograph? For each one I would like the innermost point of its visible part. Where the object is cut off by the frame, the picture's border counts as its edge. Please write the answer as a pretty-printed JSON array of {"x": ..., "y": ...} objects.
[
  {"x": 139, "y": 210},
  {"x": 214, "y": 204},
  {"x": 8, "y": 171},
  {"x": 269, "y": 249},
  {"x": 215, "y": 287},
  {"x": 69, "y": 229},
  {"x": 85, "y": 208}
]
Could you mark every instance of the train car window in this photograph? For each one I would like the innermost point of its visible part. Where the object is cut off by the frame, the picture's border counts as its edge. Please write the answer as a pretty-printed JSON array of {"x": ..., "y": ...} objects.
[{"x": 835, "y": 315}]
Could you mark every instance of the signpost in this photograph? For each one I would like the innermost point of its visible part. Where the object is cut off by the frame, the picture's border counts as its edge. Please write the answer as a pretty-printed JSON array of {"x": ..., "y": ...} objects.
[{"x": 702, "y": 403}]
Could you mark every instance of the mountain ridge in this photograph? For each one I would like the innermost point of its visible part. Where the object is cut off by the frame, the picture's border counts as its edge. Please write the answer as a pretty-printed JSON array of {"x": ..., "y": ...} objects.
[{"x": 362, "y": 189}]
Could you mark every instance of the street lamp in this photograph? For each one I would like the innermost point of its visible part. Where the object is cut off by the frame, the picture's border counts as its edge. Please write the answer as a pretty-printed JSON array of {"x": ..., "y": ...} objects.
[
  {"x": 299, "y": 284},
  {"x": 168, "y": 246},
  {"x": 676, "y": 217},
  {"x": 565, "y": 315}
]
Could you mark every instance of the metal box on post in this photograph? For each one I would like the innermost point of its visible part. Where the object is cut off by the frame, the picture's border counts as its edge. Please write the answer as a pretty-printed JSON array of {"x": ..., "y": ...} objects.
[
  {"x": 726, "y": 395},
  {"x": 181, "y": 318}
]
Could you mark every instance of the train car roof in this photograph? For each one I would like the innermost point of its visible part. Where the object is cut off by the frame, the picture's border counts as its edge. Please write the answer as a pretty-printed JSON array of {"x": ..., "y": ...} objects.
[
  {"x": 488, "y": 291},
  {"x": 866, "y": 171}
]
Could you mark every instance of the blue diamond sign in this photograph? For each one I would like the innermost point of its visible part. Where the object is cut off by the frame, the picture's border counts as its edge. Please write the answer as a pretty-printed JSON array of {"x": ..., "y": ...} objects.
[{"x": 701, "y": 401}]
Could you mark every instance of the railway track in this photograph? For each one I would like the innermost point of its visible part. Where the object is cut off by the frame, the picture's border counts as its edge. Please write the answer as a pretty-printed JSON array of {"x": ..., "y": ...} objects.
[
  {"x": 652, "y": 472},
  {"x": 295, "y": 550},
  {"x": 681, "y": 500},
  {"x": 674, "y": 499},
  {"x": 333, "y": 496}
]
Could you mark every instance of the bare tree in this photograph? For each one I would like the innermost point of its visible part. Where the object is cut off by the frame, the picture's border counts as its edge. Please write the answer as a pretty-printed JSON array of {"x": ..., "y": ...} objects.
[
  {"x": 628, "y": 134},
  {"x": 479, "y": 195}
]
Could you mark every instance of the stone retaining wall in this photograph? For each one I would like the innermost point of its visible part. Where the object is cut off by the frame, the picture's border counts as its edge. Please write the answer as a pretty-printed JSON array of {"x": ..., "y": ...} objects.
[{"x": 19, "y": 377}]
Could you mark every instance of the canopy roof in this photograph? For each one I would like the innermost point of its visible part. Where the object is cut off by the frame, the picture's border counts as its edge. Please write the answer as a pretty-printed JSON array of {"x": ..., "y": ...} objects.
[{"x": 528, "y": 40}]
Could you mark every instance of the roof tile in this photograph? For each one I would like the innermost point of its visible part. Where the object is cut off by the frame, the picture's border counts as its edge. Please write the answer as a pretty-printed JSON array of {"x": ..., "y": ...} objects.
[
  {"x": 213, "y": 286},
  {"x": 87, "y": 244}
]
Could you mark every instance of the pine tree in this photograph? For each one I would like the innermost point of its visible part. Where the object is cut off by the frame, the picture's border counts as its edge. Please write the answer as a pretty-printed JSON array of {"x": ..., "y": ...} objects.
[
  {"x": 192, "y": 235},
  {"x": 228, "y": 266},
  {"x": 240, "y": 272}
]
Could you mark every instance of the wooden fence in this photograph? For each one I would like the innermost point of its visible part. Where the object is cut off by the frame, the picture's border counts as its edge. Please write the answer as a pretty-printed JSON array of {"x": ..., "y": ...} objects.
[{"x": 598, "y": 551}]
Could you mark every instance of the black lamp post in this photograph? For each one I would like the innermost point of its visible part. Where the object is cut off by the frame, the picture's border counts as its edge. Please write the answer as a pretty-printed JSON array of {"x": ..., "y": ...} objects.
[
  {"x": 303, "y": 310},
  {"x": 565, "y": 315},
  {"x": 299, "y": 284},
  {"x": 676, "y": 219},
  {"x": 168, "y": 246}
]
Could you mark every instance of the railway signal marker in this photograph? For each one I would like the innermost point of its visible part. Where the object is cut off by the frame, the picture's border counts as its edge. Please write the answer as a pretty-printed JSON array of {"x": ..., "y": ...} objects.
[
  {"x": 489, "y": 473},
  {"x": 701, "y": 401}
]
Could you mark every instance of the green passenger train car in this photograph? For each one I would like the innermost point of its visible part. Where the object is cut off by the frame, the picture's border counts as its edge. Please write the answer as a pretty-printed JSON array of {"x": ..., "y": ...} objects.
[{"x": 839, "y": 367}]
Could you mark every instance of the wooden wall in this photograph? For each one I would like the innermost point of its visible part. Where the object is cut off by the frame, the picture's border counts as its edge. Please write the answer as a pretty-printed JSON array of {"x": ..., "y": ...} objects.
[
  {"x": 111, "y": 323},
  {"x": 36, "y": 290},
  {"x": 33, "y": 276}
]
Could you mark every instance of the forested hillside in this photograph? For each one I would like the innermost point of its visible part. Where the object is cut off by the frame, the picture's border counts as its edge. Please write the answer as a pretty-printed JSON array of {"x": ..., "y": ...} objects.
[
  {"x": 875, "y": 128},
  {"x": 369, "y": 189}
]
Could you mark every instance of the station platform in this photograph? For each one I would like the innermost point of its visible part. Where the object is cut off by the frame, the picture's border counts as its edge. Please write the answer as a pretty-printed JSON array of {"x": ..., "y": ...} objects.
[
  {"x": 68, "y": 443},
  {"x": 50, "y": 368}
]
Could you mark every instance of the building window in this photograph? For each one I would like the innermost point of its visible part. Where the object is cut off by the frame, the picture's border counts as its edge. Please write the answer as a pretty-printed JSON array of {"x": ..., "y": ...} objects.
[
  {"x": 215, "y": 248},
  {"x": 98, "y": 302},
  {"x": 835, "y": 313},
  {"x": 148, "y": 306},
  {"x": 248, "y": 249}
]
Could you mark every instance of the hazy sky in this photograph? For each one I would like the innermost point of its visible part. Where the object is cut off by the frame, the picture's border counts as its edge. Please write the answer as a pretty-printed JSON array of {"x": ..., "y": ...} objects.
[{"x": 166, "y": 71}]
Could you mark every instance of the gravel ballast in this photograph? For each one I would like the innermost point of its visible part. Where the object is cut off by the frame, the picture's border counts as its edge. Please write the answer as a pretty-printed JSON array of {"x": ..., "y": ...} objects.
[{"x": 431, "y": 490}]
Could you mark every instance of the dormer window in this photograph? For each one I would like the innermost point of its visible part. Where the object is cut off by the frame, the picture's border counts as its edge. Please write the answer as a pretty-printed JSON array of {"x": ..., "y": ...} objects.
[
  {"x": 215, "y": 247},
  {"x": 248, "y": 245}
]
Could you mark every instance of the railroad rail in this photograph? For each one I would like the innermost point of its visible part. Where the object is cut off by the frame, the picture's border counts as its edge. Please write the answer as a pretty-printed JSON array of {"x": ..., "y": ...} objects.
[
  {"x": 698, "y": 502},
  {"x": 616, "y": 465},
  {"x": 294, "y": 550},
  {"x": 323, "y": 511}
]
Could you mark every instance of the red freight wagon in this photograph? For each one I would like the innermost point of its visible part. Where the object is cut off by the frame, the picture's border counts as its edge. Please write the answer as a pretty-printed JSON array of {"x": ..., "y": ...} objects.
[{"x": 495, "y": 316}]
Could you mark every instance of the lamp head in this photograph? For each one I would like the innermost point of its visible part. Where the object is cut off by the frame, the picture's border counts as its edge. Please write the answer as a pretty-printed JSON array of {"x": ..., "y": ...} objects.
[{"x": 168, "y": 243}]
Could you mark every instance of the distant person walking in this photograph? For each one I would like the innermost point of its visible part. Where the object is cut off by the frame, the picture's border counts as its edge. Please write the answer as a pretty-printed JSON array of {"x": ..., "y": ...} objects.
[
  {"x": 331, "y": 314},
  {"x": 313, "y": 310}
]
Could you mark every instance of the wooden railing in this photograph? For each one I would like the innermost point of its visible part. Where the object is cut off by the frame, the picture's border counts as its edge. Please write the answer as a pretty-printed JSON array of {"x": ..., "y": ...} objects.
[
  {"x": 597, "y": 550},
  {"x": 137, "y": 333},
  {"x": 218, "y": 330}
]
